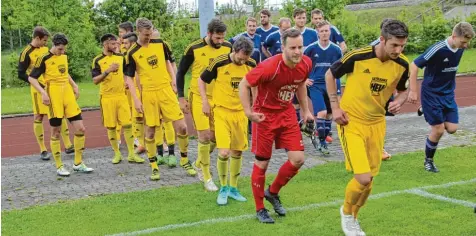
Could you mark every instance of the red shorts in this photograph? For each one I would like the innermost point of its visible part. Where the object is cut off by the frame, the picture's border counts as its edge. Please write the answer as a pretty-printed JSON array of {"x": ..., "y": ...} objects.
[{"x": 282, "y": 128}]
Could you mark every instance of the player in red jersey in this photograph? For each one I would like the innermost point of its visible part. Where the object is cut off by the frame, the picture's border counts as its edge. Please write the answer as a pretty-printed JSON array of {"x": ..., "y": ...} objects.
[{"x": 277, "y": 79}]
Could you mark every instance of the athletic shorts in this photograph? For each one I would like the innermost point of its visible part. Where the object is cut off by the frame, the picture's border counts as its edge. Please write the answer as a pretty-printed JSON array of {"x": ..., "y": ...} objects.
[
  {"x": 62, "y": 101},
  {"x": 200, "y": 120},
  {"x": 115, "y": 110},
  {"x": 320, "y": 99},
  {"x": 362, "y": 146},
  {"x": 231, "y": 129},
  {"x": 136, "y": 114},
  {"x": 160, "y": 104},
  {"x": 37, "y": 101},
  {"x": 439, "y": 109},
  {"x": 280, "y": 128}
]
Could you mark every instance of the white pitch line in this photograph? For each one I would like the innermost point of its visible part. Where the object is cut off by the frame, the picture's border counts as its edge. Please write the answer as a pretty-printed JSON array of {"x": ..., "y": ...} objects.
[
  {"x": 296, "y": 209},
  {"x": 442, "y": 198}
]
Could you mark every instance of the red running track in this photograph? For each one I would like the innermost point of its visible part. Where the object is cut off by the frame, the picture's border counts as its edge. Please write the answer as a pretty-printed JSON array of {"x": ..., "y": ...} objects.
[{"x": 18, "y": 138}]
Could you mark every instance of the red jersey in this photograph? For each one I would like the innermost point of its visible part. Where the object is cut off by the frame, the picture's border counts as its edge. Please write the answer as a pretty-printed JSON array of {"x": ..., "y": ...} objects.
[{"x": 277, "y": 83}]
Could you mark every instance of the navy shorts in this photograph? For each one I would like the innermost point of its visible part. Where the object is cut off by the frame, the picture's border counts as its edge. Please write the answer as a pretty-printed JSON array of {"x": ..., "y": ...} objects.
[
  {"x": 439, "y": 109},
  {"x": 320, "y": 99}
]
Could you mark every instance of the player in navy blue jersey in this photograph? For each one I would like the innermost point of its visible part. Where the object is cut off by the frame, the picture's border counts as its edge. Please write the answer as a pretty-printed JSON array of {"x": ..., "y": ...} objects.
[
  {"x": 272, "y": 43},
  {"x": 323, "y": 54},
  {"x": 265, "y": 30},
  {"x": 336, "y": 37},
  {"x": 441, "y": 62},
  {"x": 250, "y": 33}
]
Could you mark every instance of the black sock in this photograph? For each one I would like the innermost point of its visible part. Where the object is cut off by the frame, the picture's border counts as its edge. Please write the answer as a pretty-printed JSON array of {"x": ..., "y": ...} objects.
[
  {"x": 171, "y": 149},
  {"x": 160, "y": 150}
]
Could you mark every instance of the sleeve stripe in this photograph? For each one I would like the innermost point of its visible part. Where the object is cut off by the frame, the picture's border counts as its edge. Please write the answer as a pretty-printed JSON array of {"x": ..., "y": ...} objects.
[
  {"x": 95, "y": 60},
  {"x": 359, "y": 51},
  {"x": 40, "y": 60},
  {"x": 25, "y": 52},
  {"x": 192, "y": 44},
  {"x": 218, "y": 59},
  {"x": 433, "y": 50}
]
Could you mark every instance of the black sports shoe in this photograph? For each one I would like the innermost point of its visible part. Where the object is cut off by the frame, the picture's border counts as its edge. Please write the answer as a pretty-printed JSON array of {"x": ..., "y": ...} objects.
[
  {"x": 420, "y": 111},
  {"x": 263, "y": 216},
  {"x": 430, "y": 165},
  {"x": 69, "y": 150},
  {"x": 276, "y": 202},
  {"x": 44, "y": 156}
]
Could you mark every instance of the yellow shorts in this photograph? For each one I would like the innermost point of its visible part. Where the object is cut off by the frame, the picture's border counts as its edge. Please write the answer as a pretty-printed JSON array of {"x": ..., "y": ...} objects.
[
  {"x": 115, "y": 111},
  {"x": 36, "y": 100},
  {"x": 200, "y": 120},
  {"x": 62, "y": 101},
  {"x": 231, "y": 129},
  {"x": 160, "y": 104},
  {"x": 135, "y": 114},
  {"x": 362, "y": 146}
]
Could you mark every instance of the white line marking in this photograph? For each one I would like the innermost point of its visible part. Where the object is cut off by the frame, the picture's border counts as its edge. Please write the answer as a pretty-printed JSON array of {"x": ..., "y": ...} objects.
[
  {"x": 297, "y": 209},
  {"x": 442, "y": 198}
]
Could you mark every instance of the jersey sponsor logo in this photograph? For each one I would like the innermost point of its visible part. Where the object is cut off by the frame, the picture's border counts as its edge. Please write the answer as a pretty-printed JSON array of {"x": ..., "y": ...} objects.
[
  {"x": 62, "y": 69},
  {"x": 367, "y": 71},
  {"x": 235, "y": 82},
  {"x": 286, "y": 93},
  {"x": 377, "y": 85},
  {"x": 450, "y": 69},
  {"x": 152, "y": 60}
]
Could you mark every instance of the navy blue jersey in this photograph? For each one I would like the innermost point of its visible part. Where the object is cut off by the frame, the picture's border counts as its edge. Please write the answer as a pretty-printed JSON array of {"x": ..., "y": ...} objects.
[
  {"x": 273, "y": 43},
  {"x": 309, "y": 36},
  {"x": 322, "y": 58},
  {"x": 264, "y": 34},
  {"x": 257, "y": 45},
  {"x": 336, "y": 37},
  {"x": 441, "y": 62}
]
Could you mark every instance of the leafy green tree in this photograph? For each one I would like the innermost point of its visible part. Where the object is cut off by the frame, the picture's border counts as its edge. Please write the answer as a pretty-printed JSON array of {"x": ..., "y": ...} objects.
[{"x": 331, "y": 8}]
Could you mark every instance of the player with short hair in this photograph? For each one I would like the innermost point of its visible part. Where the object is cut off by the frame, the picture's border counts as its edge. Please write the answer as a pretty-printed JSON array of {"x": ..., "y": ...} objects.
[
  {"x": 373, "y": 73},
  {"x": 251, "y": 34},
  {"x": 277, "y": 78},
  {"x": 108, "y": 71},
  {"x": 148, "y": 57},
  {"x": 272, "y": 43},
  {"x": 123, "y": 29},
  {"x": 323, "y": 54},
  {"x": 265, "y": 29},
  {"x": 441, "y": 62},
  {"x": 336, "y": 37},
  {"x": 230, "y": 120},
  {"x": 26, "y": 63},
  {"x": 199, "y": 55},
  {"x": 60, "y": 94}
]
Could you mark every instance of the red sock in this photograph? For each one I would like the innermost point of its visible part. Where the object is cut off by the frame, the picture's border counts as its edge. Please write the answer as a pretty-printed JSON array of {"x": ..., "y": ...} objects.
[
  {"x": 257, "y": 185},
  {"x": 286, "y": 173}
]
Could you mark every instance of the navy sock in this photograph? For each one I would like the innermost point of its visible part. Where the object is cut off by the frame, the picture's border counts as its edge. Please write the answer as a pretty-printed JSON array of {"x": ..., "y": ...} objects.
[
  {"x": 321, "y": 130},
  {"x": 171, "y": 149},
  {"x": 328, "y": 127},
  {"x": 160, "y": 150},
  {"x": 430, "y": 148}
]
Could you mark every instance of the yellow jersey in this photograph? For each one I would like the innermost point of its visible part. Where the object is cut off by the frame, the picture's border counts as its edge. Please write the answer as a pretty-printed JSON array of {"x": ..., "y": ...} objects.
[
  {"x": 370, "y": 83},
  {"x": 27, "y": 61},
  {"x": 54, "y": 68},
  {"x": 227, "y": 76},
  {"x": 113, "y": 84}
]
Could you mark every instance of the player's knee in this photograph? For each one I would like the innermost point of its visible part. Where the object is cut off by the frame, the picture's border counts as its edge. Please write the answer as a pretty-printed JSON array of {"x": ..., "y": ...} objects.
[
  {"x": 81, "y": 130},
  {"x": 182, "y": 128},
  {"x": 139, "y": 119},
  {"x": 224, "y": 153},
  {"x": 438, "y": 130},
  {"x": 322, "y": 114},
  {"x": 38, "y": 117},
  {"x": 297, "y": 162},
  {"x": 451, "y": 129},
  {"x": 56, "y": 132},
  {"x": 204, "y": 136},
  {"x": 236, "y": 153},
  {"x": 364, "y": 179}
]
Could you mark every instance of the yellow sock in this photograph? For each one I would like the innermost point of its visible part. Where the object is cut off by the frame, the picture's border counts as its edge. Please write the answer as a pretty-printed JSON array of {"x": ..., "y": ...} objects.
[
  {"x": 204, "y": 156},
  {"x": 118, "y": 129},
  {"x": 183, "y": 146},
  {"x": 129, "y": 138},
  {"x": 353, "y": 191},
  {"x": 39, "y": 134},
  {"x": 79, "y": 140},
  {"x": 139, "y": 132},
  {"x": 56, "y": 151},
  {"x": 235, "y": 169},
  {"x": 213, "y": 145},
  {"x": 159, "y": 135},
  {"x": 222, "y": 168},
  {"x": 362, "y": 200},
  {"x": 65, "y": 134},
  {"x": 169, "y": 132},
  {"x": 150, "y": 146},
  {"x": 112, "y": 135}
]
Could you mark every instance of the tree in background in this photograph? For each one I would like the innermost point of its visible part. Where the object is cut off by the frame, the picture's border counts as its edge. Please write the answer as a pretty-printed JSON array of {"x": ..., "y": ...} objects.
[{"x": 331, "y": 8}]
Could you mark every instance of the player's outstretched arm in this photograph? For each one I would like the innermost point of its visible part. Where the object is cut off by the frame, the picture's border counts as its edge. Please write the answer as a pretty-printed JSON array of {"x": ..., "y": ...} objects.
[{"x": 413, "y": 94}]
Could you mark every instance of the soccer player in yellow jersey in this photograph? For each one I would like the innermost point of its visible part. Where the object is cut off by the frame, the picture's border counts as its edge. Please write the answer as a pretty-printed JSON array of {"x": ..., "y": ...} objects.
[
  {"x": 198, "y": 55},
  {"x": 60, "y": 95},
  {"x": 373, "y": 74},
  {"x": 230, "y": 120},
  {"x": 148, "y": 57},
  {"x": 27, "y": 60},
  {"x": 107, "y": 71},
  {"x": 123, "y": 29}
]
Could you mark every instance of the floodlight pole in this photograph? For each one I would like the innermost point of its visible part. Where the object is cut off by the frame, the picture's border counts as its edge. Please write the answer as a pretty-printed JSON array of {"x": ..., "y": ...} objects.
[{"x": 206, "y": 12}]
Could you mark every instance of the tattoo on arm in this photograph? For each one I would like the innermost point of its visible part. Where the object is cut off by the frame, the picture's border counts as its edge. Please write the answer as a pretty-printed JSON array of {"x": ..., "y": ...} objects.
[{"x": 333, "y": 97}]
